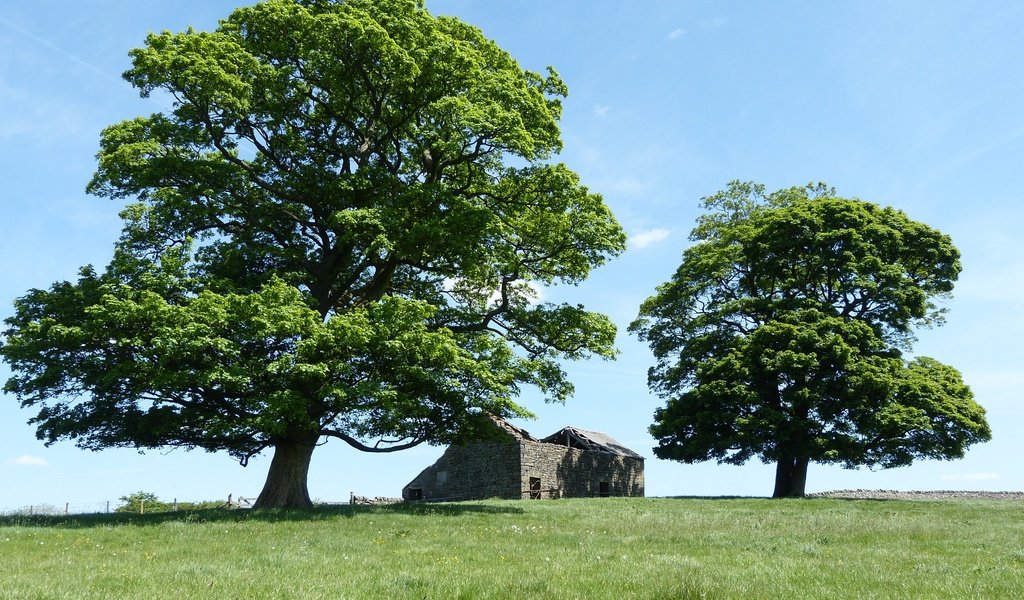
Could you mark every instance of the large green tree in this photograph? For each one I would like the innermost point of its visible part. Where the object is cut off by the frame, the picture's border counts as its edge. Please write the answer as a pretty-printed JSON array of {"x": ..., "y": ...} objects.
[
  {"x": 781, "y": 336},
  {"x": 338, "y": 231}
]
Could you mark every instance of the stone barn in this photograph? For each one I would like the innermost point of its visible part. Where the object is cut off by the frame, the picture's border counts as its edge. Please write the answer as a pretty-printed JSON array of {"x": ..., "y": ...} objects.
[{"x": 572, "y": 463}]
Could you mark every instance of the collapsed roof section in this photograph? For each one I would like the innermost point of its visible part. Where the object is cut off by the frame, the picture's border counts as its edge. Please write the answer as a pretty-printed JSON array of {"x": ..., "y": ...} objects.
[
  {"x": 512, "y": 430},
  {"x": 570, "y": 437},
  {"x": 589, "y": 440}
]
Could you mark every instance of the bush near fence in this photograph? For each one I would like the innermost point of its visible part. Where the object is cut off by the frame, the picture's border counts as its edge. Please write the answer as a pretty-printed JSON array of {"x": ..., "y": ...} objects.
[
  {"x": 136, "y": 503},
  {"x": 143, "y": 502}
]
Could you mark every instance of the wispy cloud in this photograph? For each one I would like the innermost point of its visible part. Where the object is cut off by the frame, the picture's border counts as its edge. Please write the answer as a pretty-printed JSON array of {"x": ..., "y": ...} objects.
[
  {"x": 970, "y": 476},
  {"x": 714, "y": 23},
  {"x": 601, "y": 111},
  {"x": 38, "y": 120},
  {"x": 626, "y": 185},
  {"x": 55, "y": 48},
  {"x": 28, "y": 461},
  {"x": 643, "y": 239},
  {"x": 675, "y": 34},
  {"x": 1001, "y": 283}
]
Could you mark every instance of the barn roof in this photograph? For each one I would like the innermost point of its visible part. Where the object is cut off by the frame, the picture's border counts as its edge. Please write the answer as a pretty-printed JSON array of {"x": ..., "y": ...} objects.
[
  {"x": 589, "y": 440},
  {"x": 515, "y": 432}
]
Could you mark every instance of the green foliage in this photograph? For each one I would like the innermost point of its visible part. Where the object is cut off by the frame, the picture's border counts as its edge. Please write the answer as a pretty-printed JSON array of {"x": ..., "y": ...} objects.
[
  {"x": 142, "y": 501},
  {"x": 601, "y": 548},
  {"x": 781, "y": 335},
  {"x": 148, "y": 503},
  {"x": 327, "y": 237}
]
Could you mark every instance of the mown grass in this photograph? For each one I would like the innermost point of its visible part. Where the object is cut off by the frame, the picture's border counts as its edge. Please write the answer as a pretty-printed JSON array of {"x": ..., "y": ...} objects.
[{"x": 601, "y": 548}]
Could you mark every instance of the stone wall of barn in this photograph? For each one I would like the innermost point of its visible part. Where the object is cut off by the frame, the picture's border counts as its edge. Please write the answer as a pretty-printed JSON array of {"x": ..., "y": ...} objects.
[
  {"x": 558, "y": 471},
  {"x": 526, "y": 469},
  {"x": 488, "y": 470}
]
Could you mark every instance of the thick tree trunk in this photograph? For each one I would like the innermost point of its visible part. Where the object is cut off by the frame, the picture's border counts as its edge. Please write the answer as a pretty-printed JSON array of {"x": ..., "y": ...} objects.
[
  {"x": 790, "y": 478},
  {"x": 286, "y": 481}
]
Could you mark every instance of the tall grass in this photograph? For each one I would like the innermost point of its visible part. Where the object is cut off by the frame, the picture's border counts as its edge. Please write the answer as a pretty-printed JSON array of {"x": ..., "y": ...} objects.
[{"x": 600, "y": 548}]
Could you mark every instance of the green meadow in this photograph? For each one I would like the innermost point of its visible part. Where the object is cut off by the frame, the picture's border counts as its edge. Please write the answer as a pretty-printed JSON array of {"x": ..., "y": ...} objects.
[{"x": 599, "y": 548}]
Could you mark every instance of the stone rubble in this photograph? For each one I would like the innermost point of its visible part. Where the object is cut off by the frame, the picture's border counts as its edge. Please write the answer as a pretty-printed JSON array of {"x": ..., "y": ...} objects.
[
  {"x": 375, "y": 501},
  {"x": 930, "y": 495}
]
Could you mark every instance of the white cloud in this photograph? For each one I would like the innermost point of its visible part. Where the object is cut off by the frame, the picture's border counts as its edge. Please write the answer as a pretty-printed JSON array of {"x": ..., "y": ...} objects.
[
  {"x": 675, "y": 34},
  {"x": 970, "y": 476},
  {"x": 626, "y": 185},
  {"x": 714, "y": 23},
  {"x": 28, "y": 461},
  {"x": 642, "y": 239},
  {"x": 601, "y": 111},
  {"x": 54, "y": 47}
]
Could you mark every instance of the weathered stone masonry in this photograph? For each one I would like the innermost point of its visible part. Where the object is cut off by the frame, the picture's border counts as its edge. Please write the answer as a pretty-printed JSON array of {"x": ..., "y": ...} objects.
[{"x": 570, "y": 463}]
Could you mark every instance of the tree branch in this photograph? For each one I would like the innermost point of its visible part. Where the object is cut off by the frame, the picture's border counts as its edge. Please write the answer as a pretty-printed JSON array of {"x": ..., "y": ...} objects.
[{"x": 351, "y": 441}]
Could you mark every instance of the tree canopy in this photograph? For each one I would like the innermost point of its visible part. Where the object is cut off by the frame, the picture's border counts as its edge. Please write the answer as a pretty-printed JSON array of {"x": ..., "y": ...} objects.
[
  {"x": 338, "y": 231},
  {"x": 782, "y": 336}
]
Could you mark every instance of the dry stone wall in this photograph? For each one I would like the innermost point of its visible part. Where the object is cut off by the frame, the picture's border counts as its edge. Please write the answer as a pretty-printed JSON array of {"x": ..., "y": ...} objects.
[
  {"x": 575, "y": 473},
  {"x": 467, "y": 472},
  {"x": 915, "y": 495}
]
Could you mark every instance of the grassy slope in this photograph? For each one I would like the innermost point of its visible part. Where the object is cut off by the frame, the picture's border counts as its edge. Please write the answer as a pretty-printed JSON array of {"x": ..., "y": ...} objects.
[{"x": 601, "y": 548}]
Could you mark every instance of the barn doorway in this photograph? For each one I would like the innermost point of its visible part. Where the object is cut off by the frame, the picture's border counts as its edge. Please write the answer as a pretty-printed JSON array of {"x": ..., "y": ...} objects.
[
  {"x": 603, "y": 489},
  {"x": 535, "y": 488}
]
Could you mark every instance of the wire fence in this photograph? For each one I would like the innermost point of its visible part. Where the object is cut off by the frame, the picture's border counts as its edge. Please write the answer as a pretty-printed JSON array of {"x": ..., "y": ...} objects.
[
  {"x": 66, "y": 508},
  {"x": 110, "y": 506}
]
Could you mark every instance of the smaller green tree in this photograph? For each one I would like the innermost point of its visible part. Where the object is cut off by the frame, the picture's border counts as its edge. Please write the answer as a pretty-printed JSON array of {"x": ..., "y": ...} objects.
[
  {"x": 142, "y": 501},
  {"x": 781, "y": 336}
]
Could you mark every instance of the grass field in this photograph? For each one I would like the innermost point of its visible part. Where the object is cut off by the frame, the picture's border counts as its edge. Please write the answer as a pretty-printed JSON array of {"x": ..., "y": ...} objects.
[{"x": 600, "y": 548}]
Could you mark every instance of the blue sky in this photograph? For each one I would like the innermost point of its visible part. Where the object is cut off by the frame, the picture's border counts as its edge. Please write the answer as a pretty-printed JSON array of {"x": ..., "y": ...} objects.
[{"x": 911, "y": 104}]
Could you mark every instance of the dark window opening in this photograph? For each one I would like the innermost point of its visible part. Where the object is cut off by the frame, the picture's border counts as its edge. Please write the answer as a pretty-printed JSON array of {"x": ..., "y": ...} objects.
[
  {"x": 415, "y": 494},
  {"x": 604, "y": 490},
  {"x": 535, "y": 488}
]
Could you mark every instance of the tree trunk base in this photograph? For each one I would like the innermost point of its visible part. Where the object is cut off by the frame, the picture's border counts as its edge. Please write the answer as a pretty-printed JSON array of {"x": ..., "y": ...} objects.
[
  {"x": 790, "y": 478},
  {"x": 286, "y": 481}
]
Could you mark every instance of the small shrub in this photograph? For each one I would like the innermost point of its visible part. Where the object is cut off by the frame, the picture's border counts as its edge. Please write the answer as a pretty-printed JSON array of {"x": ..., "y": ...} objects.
[
  {"x": 142, "y": 502},
  {"x": 149, "y": 503}
]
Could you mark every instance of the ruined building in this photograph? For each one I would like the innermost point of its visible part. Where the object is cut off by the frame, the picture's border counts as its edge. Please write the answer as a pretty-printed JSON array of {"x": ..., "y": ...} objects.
[{"x": 572, "y": 463}]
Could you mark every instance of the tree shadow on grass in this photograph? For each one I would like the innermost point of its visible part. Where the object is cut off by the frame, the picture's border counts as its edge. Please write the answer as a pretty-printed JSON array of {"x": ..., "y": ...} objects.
[
  {"x": 714, "y": 498},
  {"x": 807, "y": 498},
  {"x": 222, "y": 515}
]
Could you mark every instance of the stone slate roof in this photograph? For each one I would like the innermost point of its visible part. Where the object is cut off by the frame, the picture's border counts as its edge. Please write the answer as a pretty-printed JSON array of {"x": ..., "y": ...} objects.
[
  {"x": 589, "y": 440},
  {"x": 515, "y": 432}
]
